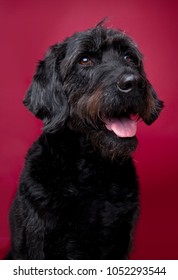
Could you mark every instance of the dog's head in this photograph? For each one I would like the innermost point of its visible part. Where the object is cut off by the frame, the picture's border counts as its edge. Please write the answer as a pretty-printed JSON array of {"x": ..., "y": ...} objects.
[{"x": 94, "y": 83}]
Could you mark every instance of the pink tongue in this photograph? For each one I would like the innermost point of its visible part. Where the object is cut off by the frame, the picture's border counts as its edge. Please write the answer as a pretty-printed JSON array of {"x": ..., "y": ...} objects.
[{"x": 123, "y": 127}]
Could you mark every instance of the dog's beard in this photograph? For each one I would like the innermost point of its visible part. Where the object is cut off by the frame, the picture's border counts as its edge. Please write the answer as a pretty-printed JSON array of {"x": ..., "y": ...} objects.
[
  {"x": 112, "y": 146},
  {"x": 114, "y": 139},
  {"x": 110, "y": 128}
]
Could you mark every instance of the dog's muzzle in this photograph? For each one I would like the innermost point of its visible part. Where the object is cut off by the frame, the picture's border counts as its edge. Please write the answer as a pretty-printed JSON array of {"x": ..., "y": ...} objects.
[{"x": 124, "y": 125}]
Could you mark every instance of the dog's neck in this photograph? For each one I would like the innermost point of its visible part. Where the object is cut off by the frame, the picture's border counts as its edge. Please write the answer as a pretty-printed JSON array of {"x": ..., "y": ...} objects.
[{"x": 80, "y": 144}]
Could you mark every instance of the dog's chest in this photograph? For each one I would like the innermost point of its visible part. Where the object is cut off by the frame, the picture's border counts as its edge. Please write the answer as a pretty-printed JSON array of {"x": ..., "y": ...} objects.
[
  {"x": 92, "y": 191},
  {"x": 81, "y": 196}
]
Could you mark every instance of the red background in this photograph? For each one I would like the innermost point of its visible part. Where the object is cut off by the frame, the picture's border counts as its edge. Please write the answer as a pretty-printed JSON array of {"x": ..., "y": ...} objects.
[{"x": 27, "y": 29}]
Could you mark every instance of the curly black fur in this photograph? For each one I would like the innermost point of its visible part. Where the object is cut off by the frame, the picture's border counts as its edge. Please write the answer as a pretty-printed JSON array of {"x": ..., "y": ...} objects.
[{"x": 78, "y": 196}]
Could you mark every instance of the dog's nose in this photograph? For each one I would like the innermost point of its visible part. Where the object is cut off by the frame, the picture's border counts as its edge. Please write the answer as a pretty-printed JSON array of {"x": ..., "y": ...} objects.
[{"x": 127, "y": 83}]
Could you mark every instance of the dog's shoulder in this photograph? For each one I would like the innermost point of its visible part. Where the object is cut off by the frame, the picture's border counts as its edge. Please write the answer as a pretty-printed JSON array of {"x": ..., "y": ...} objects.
[{"x": 44, "y": 157}]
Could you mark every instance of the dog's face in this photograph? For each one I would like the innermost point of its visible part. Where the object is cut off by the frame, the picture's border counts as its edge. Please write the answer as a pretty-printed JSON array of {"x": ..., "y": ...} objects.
[{"x": 94, "y": 83}]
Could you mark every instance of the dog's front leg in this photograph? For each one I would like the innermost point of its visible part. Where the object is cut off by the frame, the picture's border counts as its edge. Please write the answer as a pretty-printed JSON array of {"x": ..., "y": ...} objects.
[
  {"x": 34, "y": 232},
  {"x": 27, "y": 231}
]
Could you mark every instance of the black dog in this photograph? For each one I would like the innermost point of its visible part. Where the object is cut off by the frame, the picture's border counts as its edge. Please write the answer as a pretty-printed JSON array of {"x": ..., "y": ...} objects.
[{"x": 78, "y": 196}]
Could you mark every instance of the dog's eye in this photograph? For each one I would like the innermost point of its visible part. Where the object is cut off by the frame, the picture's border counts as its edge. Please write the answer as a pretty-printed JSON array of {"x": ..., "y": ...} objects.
[
  {"x": 127, "y": 58},
  {"x": 131, "y": 59},
  {"x": 85, "y": 61}
]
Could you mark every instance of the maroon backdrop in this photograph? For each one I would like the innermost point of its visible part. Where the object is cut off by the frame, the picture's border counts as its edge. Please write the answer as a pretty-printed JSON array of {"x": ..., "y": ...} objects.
[{"x": 27, "y": 29}]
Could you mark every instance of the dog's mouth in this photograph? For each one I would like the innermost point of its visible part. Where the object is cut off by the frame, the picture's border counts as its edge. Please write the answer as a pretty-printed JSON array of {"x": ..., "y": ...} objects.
[{"x": 124, "y": 126}]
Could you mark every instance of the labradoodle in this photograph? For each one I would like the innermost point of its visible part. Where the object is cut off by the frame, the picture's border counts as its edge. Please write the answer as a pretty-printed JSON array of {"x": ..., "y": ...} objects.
[{"x": 78, "y": 196}]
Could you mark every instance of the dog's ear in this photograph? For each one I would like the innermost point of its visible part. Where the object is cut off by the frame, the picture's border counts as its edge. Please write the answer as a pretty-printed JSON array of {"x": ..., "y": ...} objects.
[
  {"x": 45, "y": 97},
  {"x": 154, "y": 106}
]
